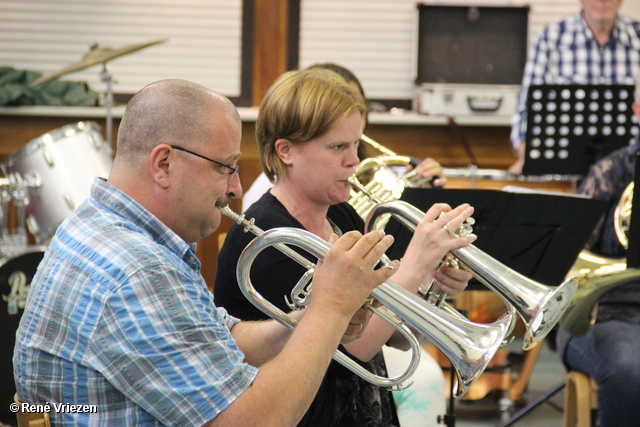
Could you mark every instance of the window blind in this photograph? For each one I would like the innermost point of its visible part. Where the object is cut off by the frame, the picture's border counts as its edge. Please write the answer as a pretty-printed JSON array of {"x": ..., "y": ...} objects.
[{"x": 204, "y": 40}]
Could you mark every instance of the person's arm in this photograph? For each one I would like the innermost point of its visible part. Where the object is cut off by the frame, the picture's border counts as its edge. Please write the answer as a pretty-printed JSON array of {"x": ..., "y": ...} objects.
[
  {"x": 252, "y": 336},
  {"x": 431, "y": 171},
  {"x": 286, "y": 385},
  {"x": 423, "y": 255}
]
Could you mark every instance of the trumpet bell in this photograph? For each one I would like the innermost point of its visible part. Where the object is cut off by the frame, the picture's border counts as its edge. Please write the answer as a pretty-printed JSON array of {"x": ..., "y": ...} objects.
[
  {"x": 377, "y": 175},
  {"x": 539, "y": 306}
]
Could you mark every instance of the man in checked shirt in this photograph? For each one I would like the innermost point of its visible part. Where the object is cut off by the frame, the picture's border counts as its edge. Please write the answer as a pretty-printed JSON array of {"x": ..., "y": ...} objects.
[
  {"x": 595, "y": 46},
  {"x": 118, "y": 316}
]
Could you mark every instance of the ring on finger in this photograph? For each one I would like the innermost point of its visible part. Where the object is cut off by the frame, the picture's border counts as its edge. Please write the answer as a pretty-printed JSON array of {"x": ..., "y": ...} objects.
[{"x": 447, "y": 229}]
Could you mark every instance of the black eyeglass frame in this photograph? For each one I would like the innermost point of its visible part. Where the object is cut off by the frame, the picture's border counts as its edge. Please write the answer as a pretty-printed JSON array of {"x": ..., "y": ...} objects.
[{"x": 233, "y": 170}]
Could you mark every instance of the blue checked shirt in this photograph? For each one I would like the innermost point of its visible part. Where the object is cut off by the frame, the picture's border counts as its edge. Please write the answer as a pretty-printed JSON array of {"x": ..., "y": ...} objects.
[
  {"x": 567, "y": 53},
  {"x": 118, "y": 316}
]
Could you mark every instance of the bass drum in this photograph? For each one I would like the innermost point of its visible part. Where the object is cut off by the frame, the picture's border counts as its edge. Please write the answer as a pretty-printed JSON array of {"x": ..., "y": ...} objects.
[
  {"x": 58, "y": 169},
  {"x": 15, "y": 279}
]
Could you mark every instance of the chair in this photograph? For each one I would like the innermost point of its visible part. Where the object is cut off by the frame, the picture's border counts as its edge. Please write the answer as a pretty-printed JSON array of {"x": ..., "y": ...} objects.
[
  {"x": 31, "y": 419},
  {"x": 580, "y": 399}
]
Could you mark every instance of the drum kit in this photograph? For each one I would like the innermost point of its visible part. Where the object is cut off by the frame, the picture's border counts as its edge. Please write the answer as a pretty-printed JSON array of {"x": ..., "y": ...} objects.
[
  {"x": 44, "y": 181},
  {"x": 41, "y": 184}
]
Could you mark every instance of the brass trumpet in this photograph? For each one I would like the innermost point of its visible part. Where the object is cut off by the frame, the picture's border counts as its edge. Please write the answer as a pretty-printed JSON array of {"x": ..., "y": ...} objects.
[
  {"x": 539, "y": 306},
  {"x": 469, "y": 346},
  {"x": 380, "y": 177}
]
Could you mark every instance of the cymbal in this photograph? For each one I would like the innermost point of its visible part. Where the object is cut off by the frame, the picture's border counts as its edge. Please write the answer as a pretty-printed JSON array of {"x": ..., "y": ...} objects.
[{"x": 95, "y": 56}]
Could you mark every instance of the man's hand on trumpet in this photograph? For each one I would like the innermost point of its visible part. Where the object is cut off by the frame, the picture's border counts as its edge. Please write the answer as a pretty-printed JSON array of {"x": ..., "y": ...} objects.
[{"x": 345, "y": 277}]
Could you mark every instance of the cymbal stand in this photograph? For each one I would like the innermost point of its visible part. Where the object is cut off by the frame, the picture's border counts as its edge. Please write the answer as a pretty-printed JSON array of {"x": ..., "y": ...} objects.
[
  {"x": 107, "y": 78},
  {"x": 5, "y": 200}
]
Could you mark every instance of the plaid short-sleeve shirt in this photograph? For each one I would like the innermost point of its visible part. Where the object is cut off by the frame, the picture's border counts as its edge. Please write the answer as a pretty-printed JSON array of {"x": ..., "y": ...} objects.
[
  {"x": 119, "y": 317},
  {"x": 566, "y": 52}
]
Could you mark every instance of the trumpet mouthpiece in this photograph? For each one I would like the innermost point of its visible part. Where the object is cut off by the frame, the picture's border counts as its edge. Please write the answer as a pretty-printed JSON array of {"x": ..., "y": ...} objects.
[{"x": 247, "y": 224}]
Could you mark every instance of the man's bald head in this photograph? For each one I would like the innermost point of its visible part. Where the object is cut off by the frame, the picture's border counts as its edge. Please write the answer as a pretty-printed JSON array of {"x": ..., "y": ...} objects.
[{"x": 170, "y": 112}]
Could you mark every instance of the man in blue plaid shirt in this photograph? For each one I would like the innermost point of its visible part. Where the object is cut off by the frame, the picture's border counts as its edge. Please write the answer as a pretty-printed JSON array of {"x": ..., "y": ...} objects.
[
  {"x": 120, "y": 323},
  {"x": 595, "y": 46}
]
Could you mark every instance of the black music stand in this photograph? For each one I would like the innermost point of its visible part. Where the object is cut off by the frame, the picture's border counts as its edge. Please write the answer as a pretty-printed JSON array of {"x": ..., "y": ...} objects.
[
  {"x": 570, "y": 127},
  {"x": 633, "y": 249},
  {"x": 537, "y": 235}
]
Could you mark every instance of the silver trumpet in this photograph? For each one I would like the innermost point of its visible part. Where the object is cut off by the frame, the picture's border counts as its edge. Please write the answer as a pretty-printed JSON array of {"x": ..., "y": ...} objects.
[
  {"x": 539, "y": 306},
  {"x": 469, "y": 346}
]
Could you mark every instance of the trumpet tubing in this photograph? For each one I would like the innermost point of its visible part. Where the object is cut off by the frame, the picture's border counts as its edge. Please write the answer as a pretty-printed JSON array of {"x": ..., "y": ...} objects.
[{"x": 469, "y": 346}]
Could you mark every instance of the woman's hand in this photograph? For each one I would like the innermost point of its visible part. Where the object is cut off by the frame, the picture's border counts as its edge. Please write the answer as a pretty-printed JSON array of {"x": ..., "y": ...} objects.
[{"x": 433, "y": 239}]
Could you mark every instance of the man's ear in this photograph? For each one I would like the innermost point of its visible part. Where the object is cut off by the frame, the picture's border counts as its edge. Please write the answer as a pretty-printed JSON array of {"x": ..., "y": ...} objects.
[
  {"x": 283, "y": 149},
  {"x": 159, "y": 164}
]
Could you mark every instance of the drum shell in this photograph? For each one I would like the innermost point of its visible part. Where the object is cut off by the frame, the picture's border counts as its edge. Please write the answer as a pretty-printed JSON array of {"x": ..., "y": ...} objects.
[
  {"x": 15, "y": 280},
  {"x": 63, "y": 163}
]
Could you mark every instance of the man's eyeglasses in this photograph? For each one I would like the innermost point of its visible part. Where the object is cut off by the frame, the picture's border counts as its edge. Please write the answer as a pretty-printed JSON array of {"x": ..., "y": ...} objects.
[{"x": 233, "y": 170}]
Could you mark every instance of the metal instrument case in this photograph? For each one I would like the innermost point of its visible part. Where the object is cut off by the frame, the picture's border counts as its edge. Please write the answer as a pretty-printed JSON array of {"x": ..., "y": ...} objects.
[{"x": 470, "y": 59}]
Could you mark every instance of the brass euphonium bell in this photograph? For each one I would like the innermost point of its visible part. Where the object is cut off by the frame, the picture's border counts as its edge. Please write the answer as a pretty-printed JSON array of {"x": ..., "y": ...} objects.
[
  {"x": 468, "y": 346},
  {"x": 539, "y": 306},
  {"x": 598, "y": 275},
  {"x": 581, "y": 313},
  {"x": 622, "y": 215}
]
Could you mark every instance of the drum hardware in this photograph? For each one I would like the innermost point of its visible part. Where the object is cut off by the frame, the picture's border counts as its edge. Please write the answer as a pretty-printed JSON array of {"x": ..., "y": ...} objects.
[
  {"x": 96, "y": 55},
  {"x": 52, "y": 174},
  {"x": 468, "y": 346},
  {"x": 5, "y": 200},
  {"x": 99, "y": 55},
  {"x": 68, "y": 198},
  {"x": 20, "y": 190}
]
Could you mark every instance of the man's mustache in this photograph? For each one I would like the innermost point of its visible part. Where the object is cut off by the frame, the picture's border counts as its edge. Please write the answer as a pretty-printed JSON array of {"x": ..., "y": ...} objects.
[{"x": 223, "y": 203}]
